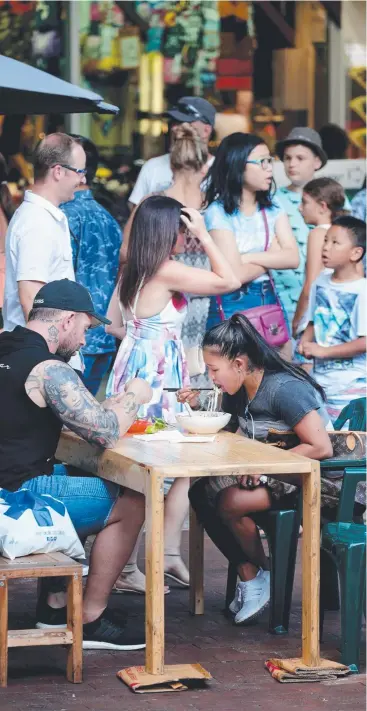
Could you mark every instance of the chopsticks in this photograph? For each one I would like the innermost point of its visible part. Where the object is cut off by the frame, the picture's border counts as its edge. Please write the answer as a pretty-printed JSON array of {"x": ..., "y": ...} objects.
[{"x": 175, "y": 390}]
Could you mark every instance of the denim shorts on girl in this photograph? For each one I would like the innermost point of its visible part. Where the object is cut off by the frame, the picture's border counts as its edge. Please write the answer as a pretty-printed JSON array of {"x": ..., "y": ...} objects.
[
  {"x": 89, "y": 500},
  {"x": 256, "y": 293}
]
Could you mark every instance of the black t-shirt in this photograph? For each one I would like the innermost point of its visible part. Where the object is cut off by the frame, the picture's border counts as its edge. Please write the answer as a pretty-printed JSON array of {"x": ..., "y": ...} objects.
[
  {"x": 28, "y": 434},
  {"x": 280, "y": 403}
]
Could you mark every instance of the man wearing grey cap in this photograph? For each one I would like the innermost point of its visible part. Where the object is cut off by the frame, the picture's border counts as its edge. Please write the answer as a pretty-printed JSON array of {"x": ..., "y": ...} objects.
[
  {"x": 42, "y": 393},
  {"x": 156, "y": 173}
]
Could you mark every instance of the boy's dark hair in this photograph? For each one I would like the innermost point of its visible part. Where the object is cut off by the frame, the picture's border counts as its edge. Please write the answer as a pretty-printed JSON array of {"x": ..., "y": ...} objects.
[
  {"x": 356, "y": 230},
  {"x": 92, "y": 156}
]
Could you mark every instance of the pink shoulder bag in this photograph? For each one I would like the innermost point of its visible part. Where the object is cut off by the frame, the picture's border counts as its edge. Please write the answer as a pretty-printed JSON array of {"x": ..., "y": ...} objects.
[{"x": 269, "y": 319}]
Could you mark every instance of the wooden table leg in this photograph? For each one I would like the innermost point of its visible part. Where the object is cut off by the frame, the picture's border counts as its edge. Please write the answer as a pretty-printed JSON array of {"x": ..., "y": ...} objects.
[
  {"x": 311, "y": 567},
  {"x": 75, "y": 623},
  {"x": 196, "y": 565},
  {"x": 154, "y": 556},
  {"x": 3, "y": 633}
]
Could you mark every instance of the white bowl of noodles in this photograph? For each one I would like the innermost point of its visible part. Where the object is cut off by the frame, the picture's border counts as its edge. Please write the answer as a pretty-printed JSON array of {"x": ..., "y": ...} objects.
[{"x": 203, "y": 423}]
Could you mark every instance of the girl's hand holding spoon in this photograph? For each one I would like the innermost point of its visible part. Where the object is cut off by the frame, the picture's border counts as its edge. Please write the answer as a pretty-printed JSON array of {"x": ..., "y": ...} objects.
[{"x": 189, "y": 396}]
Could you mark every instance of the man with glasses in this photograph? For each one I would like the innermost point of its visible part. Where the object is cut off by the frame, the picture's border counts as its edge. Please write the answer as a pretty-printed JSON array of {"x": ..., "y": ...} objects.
[
  {"x": 38, "y": 248},
  {"x": 156, "y": 174}
]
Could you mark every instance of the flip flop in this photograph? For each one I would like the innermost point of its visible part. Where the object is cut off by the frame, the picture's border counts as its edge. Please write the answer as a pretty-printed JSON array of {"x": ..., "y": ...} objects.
[
  {"x": 183, "y": 583},
  {"x": 134, "y": 591},
  {"x": 176, "y": 569},
  {"x": 136, "y": 586}
]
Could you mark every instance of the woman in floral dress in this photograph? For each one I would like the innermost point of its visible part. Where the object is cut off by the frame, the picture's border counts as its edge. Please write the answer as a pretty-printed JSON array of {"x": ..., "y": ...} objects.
[{"x": 147, "y": 311}]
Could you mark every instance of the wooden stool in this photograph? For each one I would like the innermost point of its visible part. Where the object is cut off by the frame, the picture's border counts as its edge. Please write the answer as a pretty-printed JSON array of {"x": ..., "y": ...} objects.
[{"x": 44, "y": 566}]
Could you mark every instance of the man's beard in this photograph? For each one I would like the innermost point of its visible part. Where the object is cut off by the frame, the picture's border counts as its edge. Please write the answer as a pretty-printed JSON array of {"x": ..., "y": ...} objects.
[{"x": 66, "y": 351}]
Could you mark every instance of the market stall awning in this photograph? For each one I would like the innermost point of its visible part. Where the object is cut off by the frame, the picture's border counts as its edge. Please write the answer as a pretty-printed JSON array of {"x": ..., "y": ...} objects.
[{"x": 27, "y": 90}]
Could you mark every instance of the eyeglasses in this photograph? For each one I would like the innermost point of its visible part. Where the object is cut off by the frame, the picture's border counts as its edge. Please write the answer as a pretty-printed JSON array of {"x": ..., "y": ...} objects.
[
  {"x": 78, "y": 171},
  {"x": 263, "y": 162},
  {"x": 191, "y": 111}
]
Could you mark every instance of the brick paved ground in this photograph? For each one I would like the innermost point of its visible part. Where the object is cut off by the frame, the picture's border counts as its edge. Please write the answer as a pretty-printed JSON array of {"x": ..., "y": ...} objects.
[{"x": 234, "y": 656}]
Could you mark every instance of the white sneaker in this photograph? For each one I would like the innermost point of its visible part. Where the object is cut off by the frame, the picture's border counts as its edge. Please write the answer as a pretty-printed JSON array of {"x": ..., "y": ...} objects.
[
  {"x": 236, "y": 603},
  {"x": 255, "y": 596}
]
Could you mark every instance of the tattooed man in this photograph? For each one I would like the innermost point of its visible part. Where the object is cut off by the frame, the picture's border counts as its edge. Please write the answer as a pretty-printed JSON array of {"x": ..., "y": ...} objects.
[{"x": 41, "y": 393}]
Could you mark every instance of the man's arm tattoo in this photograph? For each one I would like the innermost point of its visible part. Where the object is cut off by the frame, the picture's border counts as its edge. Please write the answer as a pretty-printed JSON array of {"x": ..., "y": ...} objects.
[
  {"x": 70, "y": 400},
  {"x": 128, "y": 402},
  {"x": 33, "y": 385}
]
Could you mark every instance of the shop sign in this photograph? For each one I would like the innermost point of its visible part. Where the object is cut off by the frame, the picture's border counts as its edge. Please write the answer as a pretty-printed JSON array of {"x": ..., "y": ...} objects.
[{"x": 350, "y": 173}]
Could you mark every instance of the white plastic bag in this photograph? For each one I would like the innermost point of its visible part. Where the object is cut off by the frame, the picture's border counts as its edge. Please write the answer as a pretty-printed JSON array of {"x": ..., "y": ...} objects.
[{"x": 35, "y": 523}]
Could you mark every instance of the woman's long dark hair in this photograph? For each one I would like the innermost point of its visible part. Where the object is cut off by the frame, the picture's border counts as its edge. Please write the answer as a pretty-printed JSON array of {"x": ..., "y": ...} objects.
[
  {"x": 226, "y": 175},
  {"x": 153, "y": 235},
  {"x": 6, "y": 200},
  {"x": 237, "y": 337}
]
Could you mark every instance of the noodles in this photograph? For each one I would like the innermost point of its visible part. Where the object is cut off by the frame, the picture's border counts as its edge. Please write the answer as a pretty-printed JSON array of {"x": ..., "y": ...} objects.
[{"x": 212, "y": 402}]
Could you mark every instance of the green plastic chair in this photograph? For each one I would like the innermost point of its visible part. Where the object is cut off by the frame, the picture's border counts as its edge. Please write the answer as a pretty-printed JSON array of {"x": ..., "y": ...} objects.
[
  {"x": 281, "y": 529},
  {"x": 345, "y": 544},
  {"x": 354, "y": 414}
]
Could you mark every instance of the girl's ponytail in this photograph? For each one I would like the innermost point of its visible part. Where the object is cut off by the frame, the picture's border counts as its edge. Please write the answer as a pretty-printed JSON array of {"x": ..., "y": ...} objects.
[{"x": 188, "y": 150}]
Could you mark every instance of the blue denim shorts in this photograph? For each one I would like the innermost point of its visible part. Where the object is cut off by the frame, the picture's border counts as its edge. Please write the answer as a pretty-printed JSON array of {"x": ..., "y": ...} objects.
[
  {"x": 89, "y": 500},
  {"x": 248, "y": 297}
]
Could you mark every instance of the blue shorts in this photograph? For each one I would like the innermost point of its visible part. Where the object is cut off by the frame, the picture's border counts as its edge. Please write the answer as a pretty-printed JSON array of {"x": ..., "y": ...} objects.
[
  {"x": 247, "y": 297},
  {"x": 89, "y": 500}
]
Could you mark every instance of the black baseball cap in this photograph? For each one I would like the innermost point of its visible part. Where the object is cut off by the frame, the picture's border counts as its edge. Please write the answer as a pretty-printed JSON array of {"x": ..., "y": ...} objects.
[
  {"x": 67, "y": 295},
  {"x": 193, "y": 108}
]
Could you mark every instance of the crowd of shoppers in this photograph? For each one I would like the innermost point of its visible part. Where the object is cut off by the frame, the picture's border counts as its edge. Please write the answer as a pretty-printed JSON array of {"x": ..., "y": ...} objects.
[{"x": 209, "y": 242}]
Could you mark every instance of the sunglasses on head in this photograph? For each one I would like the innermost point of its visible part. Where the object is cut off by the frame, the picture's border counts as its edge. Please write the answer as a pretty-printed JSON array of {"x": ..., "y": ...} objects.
[{"x": 191, "y": 111}]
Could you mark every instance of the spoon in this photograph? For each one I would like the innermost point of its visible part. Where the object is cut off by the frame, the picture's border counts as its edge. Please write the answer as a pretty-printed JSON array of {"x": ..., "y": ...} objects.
[{"x": 188, "y": 408}]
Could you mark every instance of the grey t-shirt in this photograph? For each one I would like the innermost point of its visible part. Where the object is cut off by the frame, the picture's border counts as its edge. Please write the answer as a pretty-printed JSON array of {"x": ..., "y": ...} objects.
[{"x": 281, "y": 401}]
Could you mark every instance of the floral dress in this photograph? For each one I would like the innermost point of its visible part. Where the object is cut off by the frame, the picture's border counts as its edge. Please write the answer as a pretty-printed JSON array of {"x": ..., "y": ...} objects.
[{"x": 152, "y": 350}]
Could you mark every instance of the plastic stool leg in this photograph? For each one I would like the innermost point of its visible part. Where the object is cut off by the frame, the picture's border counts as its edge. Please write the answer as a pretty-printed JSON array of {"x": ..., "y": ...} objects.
[
  {"x": 283, "y": 544},
  {"x": 329, "y": 582},
  {"x": 231, "y": 584},
  {"x": 3, "y": 633},
  {"x": 351, "y": 566}
]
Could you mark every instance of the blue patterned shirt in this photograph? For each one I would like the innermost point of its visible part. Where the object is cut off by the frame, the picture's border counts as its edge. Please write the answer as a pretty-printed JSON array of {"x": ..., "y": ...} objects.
[
  {"x": 96, "y": 240},
  {"x": 359, "y": 205}
]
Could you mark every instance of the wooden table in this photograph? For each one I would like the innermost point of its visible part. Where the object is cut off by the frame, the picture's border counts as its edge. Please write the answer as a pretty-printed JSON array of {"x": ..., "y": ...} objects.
[{"x": 143, "y": 466}]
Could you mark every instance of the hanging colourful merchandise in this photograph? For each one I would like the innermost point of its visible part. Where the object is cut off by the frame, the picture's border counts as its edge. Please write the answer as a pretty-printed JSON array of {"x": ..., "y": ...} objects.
[
  {"x": 109, "y": 45},
  {"x": 187, "y": 33}
]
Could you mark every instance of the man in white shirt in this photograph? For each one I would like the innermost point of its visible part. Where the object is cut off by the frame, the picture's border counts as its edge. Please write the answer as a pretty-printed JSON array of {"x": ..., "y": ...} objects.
[
  {"x": 156, "y": 174},
  {"x": 38, "y": 248}
]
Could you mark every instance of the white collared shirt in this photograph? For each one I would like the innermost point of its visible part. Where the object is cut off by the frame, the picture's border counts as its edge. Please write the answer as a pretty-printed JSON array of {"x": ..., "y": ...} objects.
[{"x": 38, "y": 248}]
